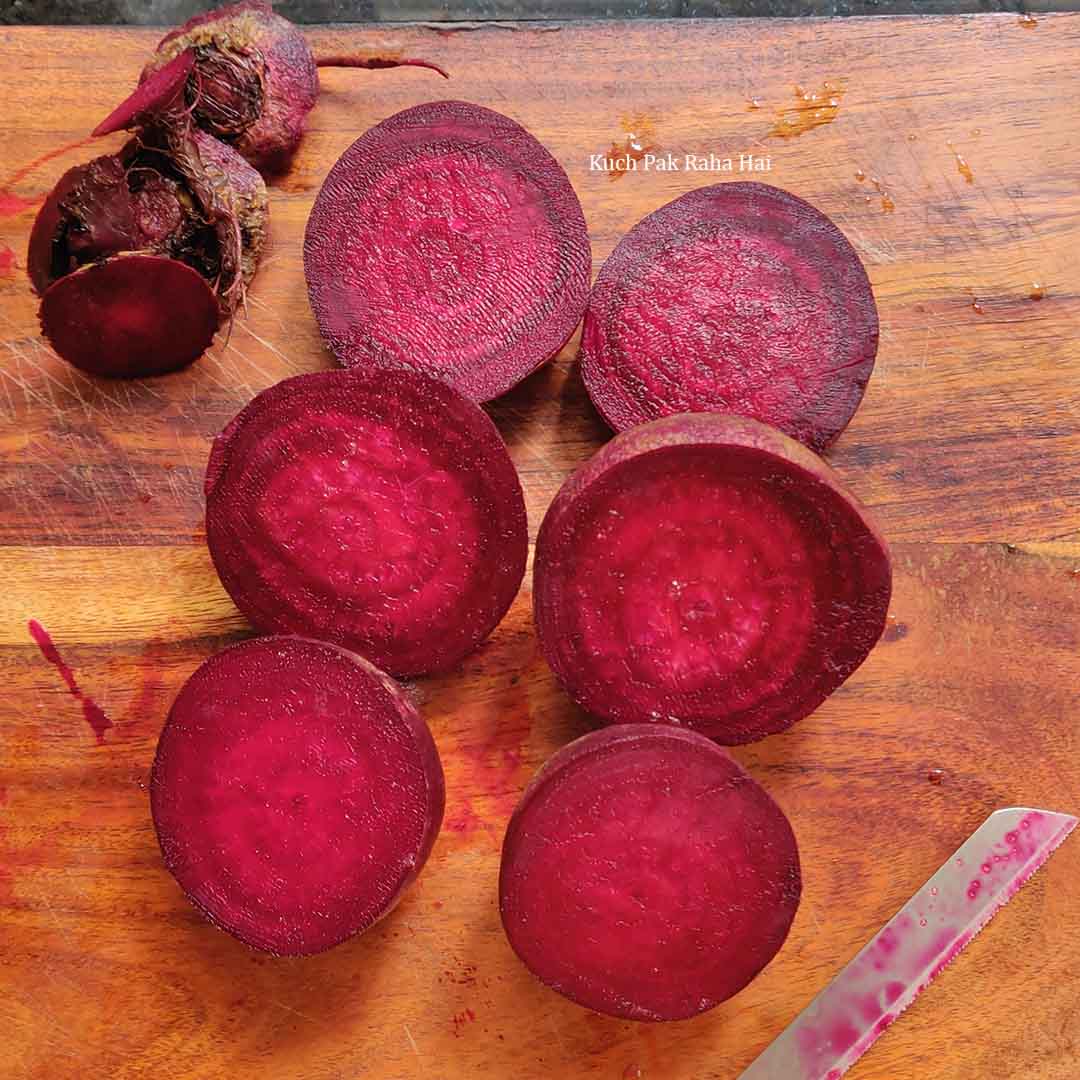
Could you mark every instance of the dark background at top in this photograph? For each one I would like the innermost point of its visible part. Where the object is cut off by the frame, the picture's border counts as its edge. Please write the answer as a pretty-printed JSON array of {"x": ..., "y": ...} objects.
[{"x": 170, "y": 12}]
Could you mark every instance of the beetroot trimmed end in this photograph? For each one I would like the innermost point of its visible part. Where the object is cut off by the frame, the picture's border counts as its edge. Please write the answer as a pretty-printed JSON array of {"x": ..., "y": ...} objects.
[
  {"x": 380, "y": 511},
  {"x": 647, "y": 876},
  {"x": 130, "y": 315},
  {"x": 150, "y": 97},
  {"x": 707, "y": 571},
  {"x": 295, "y": 793},
  {"x": 447, "y": 240},
  {"x": 736, "y": 298}
]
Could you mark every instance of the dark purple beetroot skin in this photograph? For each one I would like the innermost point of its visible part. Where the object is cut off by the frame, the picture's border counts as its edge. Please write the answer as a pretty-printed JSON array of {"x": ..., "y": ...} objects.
[
  {"x": 737, "y": 298},
  {"x": 646, "y": 875},
  {"x": 295, "y": 793},
  {"x": 380, "y": 511},
  {"x": 253, "y": 80},
  {"x": 707, "y": 571},
  {"x": 164, "y": 198},
  {"x": 448, "y": 240}
]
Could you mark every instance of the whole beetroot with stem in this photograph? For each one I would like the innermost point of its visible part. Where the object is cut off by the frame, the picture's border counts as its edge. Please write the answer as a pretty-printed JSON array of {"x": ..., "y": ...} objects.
[
  {"x": 247, "y": 76},
  {"x": 139, "y": 255}
]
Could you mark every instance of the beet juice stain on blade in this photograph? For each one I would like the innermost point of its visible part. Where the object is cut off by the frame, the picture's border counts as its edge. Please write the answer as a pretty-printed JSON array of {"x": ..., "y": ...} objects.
[
  {"x": 917, "y": 943},
  {"x": 93, "y": 713}
]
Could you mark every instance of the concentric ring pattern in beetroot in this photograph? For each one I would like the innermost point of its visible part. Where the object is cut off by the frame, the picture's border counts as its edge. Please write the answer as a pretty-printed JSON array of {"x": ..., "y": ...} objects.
[
  {"x": 646, "y": 875},
  {"x": 379, "y": 510},
  {"x": 296, "y": 792},
  {"x": 736, "y": 298},
  {"x": 708, "y": 571},
  {"x": 448, "y": 240}
]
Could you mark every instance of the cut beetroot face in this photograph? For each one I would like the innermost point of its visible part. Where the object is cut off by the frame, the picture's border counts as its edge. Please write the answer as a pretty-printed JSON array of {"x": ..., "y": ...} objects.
[
  {"x": 646, "y": 875},
  {"x": 150, "y": 97},
  {"x": 295, "y": 793},
  {"x": 380, "y": 511},
  {"x": 130, "y": 315},
  {"x": 708, "y": 571},
  {"x": 737, "y": 298},
  {"x": 448, "y": 240}
]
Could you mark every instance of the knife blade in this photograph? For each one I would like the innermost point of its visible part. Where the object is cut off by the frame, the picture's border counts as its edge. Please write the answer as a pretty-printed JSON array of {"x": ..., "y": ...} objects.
[{"x": 917, "y": 943}]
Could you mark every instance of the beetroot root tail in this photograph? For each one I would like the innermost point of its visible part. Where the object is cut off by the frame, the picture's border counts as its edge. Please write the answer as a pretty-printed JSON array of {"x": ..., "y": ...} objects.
[{"x": 376, "y": 63}]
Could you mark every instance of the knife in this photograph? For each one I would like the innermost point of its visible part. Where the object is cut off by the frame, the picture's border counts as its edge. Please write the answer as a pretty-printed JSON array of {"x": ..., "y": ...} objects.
[{"x": 921, "y": 939}]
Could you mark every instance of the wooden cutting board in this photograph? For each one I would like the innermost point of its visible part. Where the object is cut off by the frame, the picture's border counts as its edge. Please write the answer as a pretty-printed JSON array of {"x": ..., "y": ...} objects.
[{"x": 967, "y": 447}]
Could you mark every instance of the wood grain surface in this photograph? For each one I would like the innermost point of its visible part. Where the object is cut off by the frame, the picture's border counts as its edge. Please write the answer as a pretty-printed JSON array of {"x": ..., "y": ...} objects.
[{"x": 967, "y": 447}]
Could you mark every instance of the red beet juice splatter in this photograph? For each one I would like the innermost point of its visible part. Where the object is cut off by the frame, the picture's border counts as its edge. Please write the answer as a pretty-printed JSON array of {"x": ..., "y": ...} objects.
[
  {"x": 12, "y": 204},
  {"x": 92, "y": 712}
]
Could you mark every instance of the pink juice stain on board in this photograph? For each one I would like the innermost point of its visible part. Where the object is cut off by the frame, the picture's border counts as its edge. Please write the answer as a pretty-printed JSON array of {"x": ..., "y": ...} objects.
[
  {"x": 466, "y": 1016},
  {"x": 12, "y": 204},
  {"x": 92, "y": 712},
  {"x": 908, "y": 953}
]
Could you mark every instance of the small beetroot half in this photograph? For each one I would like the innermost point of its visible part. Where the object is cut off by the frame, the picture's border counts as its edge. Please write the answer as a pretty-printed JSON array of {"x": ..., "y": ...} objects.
[
  {"x": 737, "y": 298},
  {"x": 707, "y": 571},
  {"x": 646, "y": 875},
  {"x": 448, "y": 240},
  {"x": 296, "y": 792},
  {"x": 139, "y": 255},
  {"x": 378, "y": 510},
  {"x": 241, "y": 73}
]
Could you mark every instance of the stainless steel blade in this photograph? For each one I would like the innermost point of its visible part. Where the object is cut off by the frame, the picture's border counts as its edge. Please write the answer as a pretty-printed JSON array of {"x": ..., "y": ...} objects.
[{"x": 928, "y": 932}]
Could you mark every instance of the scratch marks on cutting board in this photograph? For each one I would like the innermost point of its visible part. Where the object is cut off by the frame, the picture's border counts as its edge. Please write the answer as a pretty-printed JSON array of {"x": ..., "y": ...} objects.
[{"x": 415, "y": 1049}]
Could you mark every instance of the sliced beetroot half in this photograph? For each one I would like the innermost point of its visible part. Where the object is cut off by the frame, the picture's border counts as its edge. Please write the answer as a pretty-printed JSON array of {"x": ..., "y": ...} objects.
[
  {"x": 448, "y": 240},
  {"x": 709, "y": 571},
  {"x": 140, "y": 254},
  {"x": 646, "y": 875},
  {"x": 295, "y": 793},
  {"x": 737, "y": 298},
  {"x": 130, "y": 315},
  {"x": 380, "y": 511}
]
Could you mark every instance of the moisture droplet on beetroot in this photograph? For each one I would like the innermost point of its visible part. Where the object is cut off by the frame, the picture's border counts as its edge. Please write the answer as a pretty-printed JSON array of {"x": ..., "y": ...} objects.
[
  {"x": 447, "y": 240},
  {"x": 377, "y": 510},
  {"x": 736, "y": 298},
  {"x": 708, "y": 571},
  {"x": 296, "y": 793},
  {"x": 646, "y": 875}
]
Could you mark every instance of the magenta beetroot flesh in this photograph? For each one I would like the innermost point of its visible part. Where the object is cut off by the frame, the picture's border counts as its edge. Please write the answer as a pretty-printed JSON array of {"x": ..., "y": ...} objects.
[
  {"x": 380, "y": 511},
  {"x": 708, "y": 571},
  {"x": 448, "y": 240},
  {"x": 130, "y": 315},
  {"x": 646, "y": 875},
  {"x": 295, "y": 793},
  {"x": 737, "y": 298}
]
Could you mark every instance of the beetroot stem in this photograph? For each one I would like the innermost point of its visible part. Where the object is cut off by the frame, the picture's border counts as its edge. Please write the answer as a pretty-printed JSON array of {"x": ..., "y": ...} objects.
[{"x": 375, "y": 63}]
